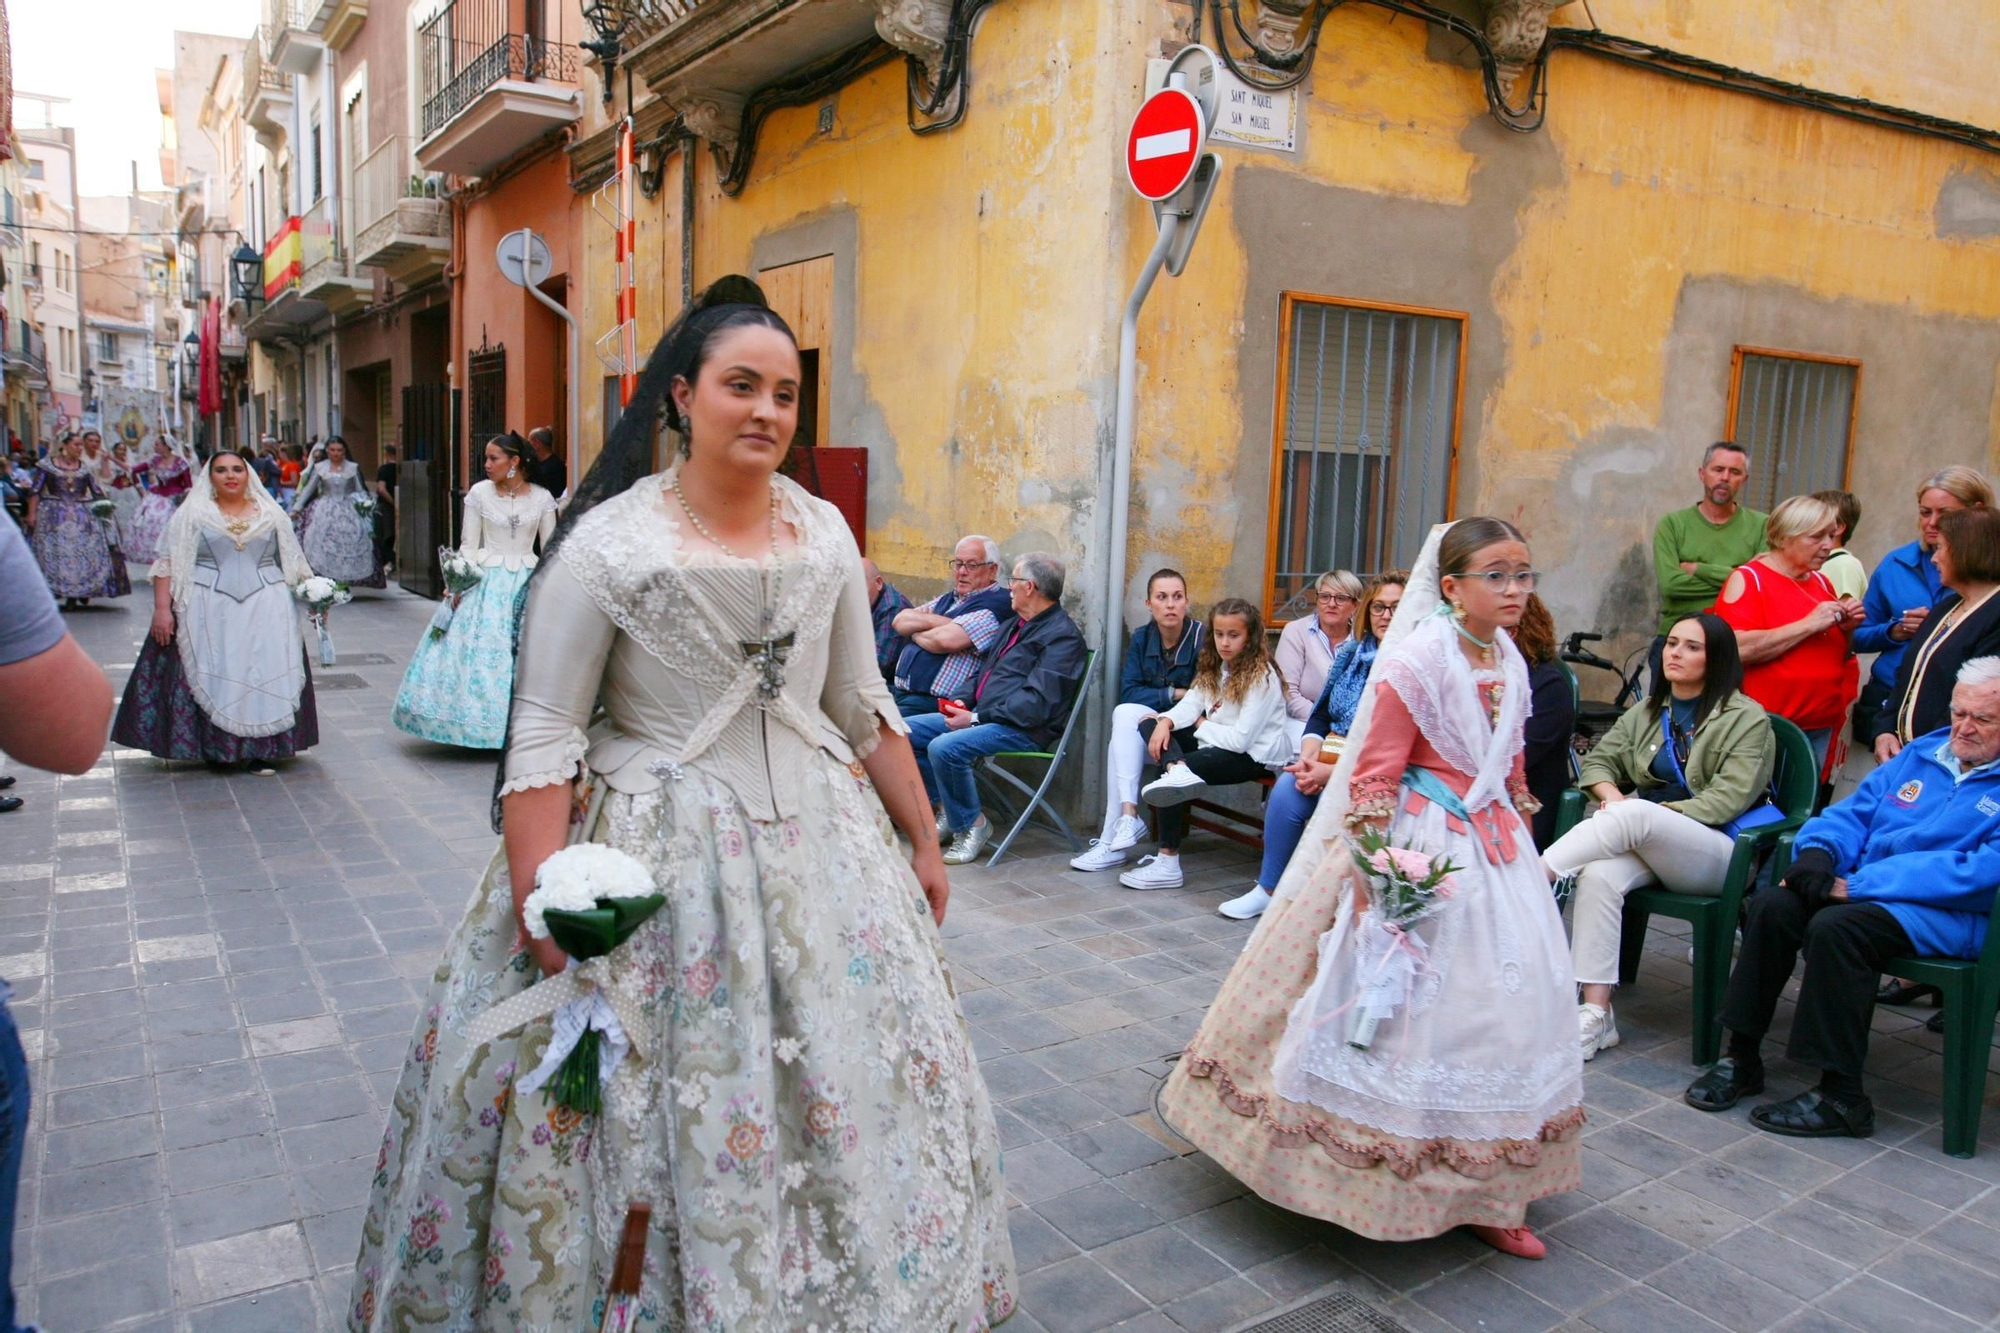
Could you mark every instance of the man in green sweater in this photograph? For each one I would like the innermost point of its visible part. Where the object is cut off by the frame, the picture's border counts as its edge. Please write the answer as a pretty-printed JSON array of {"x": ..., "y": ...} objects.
[{"x": 1695, "y": 549}]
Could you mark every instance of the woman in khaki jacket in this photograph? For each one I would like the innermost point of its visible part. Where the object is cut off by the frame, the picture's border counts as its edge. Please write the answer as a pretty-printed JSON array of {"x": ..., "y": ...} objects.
[{"x": 1671, "y": 774}]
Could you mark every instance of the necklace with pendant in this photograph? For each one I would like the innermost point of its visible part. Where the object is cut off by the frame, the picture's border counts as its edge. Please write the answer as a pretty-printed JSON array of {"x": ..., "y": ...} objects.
[
  {"x": 513, "y": 499},
  {"x": 237, "y": 526},
  {"x": 766, "y": 654},
  {"x": 1491, "y": 661}
]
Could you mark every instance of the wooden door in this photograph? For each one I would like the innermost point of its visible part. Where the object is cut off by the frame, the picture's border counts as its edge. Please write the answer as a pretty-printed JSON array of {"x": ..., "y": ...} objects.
[{"x": 802, "y": 294}]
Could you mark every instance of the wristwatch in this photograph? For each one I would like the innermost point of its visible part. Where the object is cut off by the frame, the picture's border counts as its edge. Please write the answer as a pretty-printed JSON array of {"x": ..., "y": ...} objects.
[{"x": 972, "y": 715}]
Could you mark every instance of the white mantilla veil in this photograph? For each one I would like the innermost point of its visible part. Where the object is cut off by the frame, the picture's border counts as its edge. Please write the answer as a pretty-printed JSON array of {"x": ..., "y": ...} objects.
[{"x": 1323, "y": 850}]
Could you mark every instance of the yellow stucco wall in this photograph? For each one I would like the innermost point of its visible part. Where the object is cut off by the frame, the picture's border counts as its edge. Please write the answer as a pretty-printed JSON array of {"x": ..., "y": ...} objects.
[{"x": 1602, "y": 263}]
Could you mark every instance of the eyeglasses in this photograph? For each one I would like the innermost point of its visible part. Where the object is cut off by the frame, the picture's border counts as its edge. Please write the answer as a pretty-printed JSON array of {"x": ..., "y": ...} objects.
[
  {"x": 1330, "y": 598},
  {"x": 957, "y": 565},
  {"x": 1500, "y": 580},
  {"x": 1019, "y": 581},
  {"x": 1384, "y": 609}
]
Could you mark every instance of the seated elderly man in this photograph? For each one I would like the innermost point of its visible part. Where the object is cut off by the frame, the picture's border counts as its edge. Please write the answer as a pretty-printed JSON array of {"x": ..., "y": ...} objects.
[
  {"x": 1906, "y": 865},
  {"x": 948, "y": 633},
  {"x": 885, "y": 603},
  {"x": 1019, "y": 699}
]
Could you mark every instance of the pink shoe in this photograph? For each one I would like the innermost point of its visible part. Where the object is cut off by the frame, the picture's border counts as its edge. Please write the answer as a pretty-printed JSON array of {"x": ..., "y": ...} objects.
[{"x": 1517, "y": 1241}]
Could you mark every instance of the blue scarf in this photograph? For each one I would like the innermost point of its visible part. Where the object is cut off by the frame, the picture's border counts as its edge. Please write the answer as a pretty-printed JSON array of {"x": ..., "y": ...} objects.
[{"x": 1346, "y": 679}]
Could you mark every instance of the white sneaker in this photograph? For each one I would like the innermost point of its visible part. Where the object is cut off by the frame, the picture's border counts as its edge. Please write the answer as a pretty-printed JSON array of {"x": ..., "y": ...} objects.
[
  {"x": 1109, "y": 850},
  {"x": 1176, "y": 786},
  {"x": 1597, "y": 1028},
  {"x": 967, "y": 846},
  {"x": 1249, "y": 907},
  {"x": 943, "y": 826},
  {"x": 1153, "y": 872}
]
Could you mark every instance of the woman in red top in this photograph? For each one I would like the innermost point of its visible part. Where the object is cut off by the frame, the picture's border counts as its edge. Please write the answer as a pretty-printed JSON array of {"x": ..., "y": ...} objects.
[{"x": 1792, "y": 628}]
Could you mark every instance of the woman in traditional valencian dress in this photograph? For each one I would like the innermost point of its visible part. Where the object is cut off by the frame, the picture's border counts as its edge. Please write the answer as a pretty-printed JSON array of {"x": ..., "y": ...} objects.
[
  {"x": 800, "y": 1106},
  {"x": 222, "y": 676},
  {"x": 76, "y": 548},
  {"x": 338, "y": 540},
  {"x": 1466, "y": 1104},
  {"x": 166, "y": 477},
  {"x": 458, "y": 683},
  {"x": 123, "y": 487}
]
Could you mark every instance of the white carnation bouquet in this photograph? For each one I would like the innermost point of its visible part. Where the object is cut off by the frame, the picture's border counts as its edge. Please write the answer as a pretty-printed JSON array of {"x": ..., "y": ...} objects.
[
  {"x": 588, "y": 898},
  {"x": 103, "y": 508},
  {"x": 320, "y": 595},
  {"x": 364, "y": 504},
  {"x": 461, "y": 575}
]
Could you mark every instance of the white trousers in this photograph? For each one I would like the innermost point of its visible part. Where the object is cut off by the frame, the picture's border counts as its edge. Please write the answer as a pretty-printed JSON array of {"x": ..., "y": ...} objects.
[
  {"x": 1624, "y": 846},
  {"x": 1125, "y": 761}
]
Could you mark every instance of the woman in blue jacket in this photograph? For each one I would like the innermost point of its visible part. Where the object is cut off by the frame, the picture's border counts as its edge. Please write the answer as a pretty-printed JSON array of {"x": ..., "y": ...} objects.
[{"x": 1159, "y": 667}]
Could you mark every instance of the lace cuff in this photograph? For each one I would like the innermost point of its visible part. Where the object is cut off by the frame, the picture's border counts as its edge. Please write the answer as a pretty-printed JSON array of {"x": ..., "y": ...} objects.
[
  {"x": 1524, "y": 800},
  {"x": 1372, "y": 798},
  {"x": 866, "y": 745},
  {"x": 569, "y": 766}
]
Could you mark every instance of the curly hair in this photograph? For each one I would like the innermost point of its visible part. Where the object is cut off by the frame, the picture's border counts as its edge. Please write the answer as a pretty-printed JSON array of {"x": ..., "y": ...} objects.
[
  {"x": 1249, "y": 666},
  {"x": 1535, "y": 636}
]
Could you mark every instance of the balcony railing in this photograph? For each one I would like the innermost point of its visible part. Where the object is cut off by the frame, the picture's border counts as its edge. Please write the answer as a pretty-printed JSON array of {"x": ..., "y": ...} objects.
[
  {"x": 386, "y": 178},
  {"x": 26, "y": 351},
  {"x": 643, "y": 18},
  {"x": 470, "y": 46},
  {"x": 400, "y": 225},
  {"x": 280, "y": 15}
]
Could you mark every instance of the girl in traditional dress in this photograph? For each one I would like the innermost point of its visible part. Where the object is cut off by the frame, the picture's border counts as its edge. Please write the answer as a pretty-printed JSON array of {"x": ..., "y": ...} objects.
[
  {"x": 222, "y": 676},
  {"x": 166, "y": 478},
  {"x": 337, "y": 539},
  {"x": 800, "y": 1105},
  {"x": 78, "y": 553},
  {"x": 458, "y": 683},
  {"x": 1465, "y": 1105},
  {"x": 125, "y": 492}
]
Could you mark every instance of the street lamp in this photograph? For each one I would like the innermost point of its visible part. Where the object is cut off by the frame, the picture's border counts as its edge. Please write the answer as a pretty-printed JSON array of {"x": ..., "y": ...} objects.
[
  {"x": 607, "y": 18},
  {"x": 191, "y": 360},
  {"x": 246, "y": 272}
]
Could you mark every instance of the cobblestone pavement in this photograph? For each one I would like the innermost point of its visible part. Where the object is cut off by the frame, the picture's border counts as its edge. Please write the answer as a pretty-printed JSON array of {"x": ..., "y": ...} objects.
[{"x": 214, "y": 978}]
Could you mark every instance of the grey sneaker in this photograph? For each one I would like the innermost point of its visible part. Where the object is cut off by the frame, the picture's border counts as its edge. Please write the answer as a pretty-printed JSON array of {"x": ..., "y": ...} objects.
[{"x": 967, "y": 846}]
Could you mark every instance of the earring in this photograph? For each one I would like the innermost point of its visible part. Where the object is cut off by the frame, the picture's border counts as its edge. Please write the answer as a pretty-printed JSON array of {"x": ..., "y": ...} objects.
[
  {"x": 1458, "y": 611},
  {"x": 511, "y": 468}
]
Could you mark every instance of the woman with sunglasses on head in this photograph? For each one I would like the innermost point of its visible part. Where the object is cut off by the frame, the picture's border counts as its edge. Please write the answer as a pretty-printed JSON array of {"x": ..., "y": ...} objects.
[
  {"x": 800, "y": 1107},
  {"x": 1401, "y": 1109},
  {"x": 1296, "y": 793},
  {"x": 456, "y": 688}
]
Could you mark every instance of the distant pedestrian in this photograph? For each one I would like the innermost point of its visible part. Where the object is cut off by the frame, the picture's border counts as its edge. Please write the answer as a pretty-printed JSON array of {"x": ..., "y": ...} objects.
[
  {"x": 547, "y": 468},
  {"x": 385, "y": 506},
  {"x": 1696, "y": 549},
  {"x": 338, "y": 539}
]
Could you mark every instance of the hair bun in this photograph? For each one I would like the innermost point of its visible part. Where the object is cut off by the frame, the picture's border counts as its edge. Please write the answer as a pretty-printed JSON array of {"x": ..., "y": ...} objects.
[{"x": 734, "y": 289}]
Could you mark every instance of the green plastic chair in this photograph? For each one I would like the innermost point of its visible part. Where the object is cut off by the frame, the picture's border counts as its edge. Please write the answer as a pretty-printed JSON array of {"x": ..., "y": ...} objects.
[
  {"x": 988, "y": 768},
  {"x": 1796, "y": 781},
  {"x": 1971, "y": 989}
]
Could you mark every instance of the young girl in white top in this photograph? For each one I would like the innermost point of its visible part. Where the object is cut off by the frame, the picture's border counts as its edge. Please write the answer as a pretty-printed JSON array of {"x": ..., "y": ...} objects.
[{"x": 1228, "y": 728}]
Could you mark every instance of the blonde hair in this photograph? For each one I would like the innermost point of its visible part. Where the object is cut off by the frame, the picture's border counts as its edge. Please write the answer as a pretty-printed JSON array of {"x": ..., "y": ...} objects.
[
  {"x": 1964, "y": 484},
  {"x": 1338, "y": 580},
  {"x": 1797, "y": 517}
]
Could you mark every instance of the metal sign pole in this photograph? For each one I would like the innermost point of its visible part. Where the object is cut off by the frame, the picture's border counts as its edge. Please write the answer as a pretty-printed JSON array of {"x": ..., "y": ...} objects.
[{"x": 523, "y": 259}]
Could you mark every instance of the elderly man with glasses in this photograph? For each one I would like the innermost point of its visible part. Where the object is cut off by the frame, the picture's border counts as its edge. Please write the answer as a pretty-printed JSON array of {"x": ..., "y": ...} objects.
[
  {"x": 1018, "y": 699},
  {"x": 948, "y": 633},
  {"x": 1907, "y": 865}
]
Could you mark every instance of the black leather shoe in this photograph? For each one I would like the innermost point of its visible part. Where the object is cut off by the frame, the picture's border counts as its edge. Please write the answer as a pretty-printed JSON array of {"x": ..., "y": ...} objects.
[
  {"x": 1815, "y": 1115},
  {"x": 6, "y": 781},
  {"x": 1899, "y": 992},
  {"x": 9, "y": 804},
  {"x": 1935, "y": 1023},
  {"x": 1725, "y": 1084}
]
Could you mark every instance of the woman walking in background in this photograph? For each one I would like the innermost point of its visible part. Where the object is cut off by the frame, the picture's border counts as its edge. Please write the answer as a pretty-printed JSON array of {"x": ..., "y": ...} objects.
[
  {"x": 222, "y": 676},
  {"x": 125, "y": 492},
  {"x": 1459, "y": 1102},
  {"x": 460, "y": 679},
  {"x": 1296, "y": 794},
  {"x": 166, "y": 477},
  {"x": 338, "y": 538},
  {"x": 73, "y": 545}
]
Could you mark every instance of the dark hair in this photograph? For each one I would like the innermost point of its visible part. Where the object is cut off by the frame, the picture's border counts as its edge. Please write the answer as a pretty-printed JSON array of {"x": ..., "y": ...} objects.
[
  {"x": 1535, "y": 636},
  {"x": 543, "y": 435},
  {"x": 332, "y": 440},
  {"x": 225, "y": 452},
  {"x": 1708, "y": 454},
  {"x": 511, "y": 445},
  {"x": 1249, "y": 667},
  {"x": 1847, "y": 507},
  {"x": 1974, "y": 538},
  {"x": 727, "y": 303},
  {"x": 1722, "y": 673},
  {"x": 1164, "y": 573},
  {"x": 1468, "y": 537}
]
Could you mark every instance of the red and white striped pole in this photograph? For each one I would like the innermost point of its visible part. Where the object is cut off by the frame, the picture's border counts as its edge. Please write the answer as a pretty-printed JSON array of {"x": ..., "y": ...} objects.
[{"x": 628, "y": 286}]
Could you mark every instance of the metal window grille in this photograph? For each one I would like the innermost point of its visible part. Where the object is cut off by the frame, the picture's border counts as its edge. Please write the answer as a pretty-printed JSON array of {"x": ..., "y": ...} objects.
[
  {"x": 1368, "y": 421},
  {"x": 1795, "y": 415},
  {"x": 487, "y": 376}
]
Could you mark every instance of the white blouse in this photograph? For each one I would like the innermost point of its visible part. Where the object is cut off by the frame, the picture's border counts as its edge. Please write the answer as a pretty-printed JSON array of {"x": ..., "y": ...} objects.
[
  {"x": 1255, "y": 727},
  {"x": 503, "y": 529}
]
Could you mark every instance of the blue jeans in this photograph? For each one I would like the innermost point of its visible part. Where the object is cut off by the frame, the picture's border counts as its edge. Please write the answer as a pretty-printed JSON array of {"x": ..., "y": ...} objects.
[
  {"x": 14, "y": 1101},
  {"x": 1286, "y": 815},
  {"x": 945, "y": 758},
  {"x": 915, "y": 705}
]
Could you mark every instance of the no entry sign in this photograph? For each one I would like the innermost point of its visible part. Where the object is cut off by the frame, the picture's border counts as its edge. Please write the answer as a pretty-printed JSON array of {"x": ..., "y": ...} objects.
[{"x": 1165, "y": 143}]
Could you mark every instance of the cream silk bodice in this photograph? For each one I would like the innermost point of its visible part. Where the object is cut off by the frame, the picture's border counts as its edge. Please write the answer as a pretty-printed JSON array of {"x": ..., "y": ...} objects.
[
  {"x": 668, "y": 641},
  {"x": 503, "y": 530}
]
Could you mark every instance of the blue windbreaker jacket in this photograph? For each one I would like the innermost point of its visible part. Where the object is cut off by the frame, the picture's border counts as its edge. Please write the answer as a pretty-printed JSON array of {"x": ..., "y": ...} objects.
[
  {"x": 1906, "y": 578},
  {"x": 1925, "y": 847}
]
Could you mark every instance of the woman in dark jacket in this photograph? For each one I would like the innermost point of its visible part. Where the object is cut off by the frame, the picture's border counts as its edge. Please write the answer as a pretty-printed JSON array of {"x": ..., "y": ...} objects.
[
  {"x": 1551, "y": 716},
  {"x": 1963, "y": 625}
]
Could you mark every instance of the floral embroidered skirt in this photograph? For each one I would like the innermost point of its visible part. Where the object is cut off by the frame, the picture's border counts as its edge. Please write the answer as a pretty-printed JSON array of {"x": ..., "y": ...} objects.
[
  {"x": 1379, "y": 1162},
  {"x": 76, "y": 550},
  {"x": 458, "y": 686},
  {"x": 160, "y": 715},
  {"x": 147, "y": 526},
  {"x": 802, "y": 1108},
  {"x": 338, "y": 542}
]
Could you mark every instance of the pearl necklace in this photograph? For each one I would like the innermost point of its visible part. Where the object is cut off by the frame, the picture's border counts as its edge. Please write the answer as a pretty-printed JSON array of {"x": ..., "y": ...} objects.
[
  {"x": 513, "y": 499},
  {"x": 711, "y": 538},
  {"x": 765, "y": 655}
]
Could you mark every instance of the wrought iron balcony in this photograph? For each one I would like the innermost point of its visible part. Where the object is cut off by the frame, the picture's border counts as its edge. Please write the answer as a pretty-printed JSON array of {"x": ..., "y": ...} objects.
[
  {"x": 289, "y": 42},
  {"x": 400, "y": 225},
  {"x": 328, "y": 278},
  {"x": 27, "y": 355},
  {"x": 267, "y": 93},
  {"x": 488, "y": 87}
]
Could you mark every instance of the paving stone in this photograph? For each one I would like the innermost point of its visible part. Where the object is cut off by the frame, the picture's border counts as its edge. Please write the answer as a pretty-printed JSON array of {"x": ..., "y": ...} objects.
[
  {"x": 227, "y": 1162},
  {"x": 100, "y": 1142},
  {"x": 94, "y": 1189},
  {"x": 1035, "y": 1241},
  {"x": 97, "y": 1239},
  {"x": 1114, "y": 1148},
  {"x": 1078, "y": 1296},
  {"x": 205, "y": 1083},
  {"x": 101, "y": 1101},
  {"x": 1096, "y": 1215},
  {"x": 90, "y": 1301},
  {"x": 333, "y": 1141},
  {"x": 288, "y": 1307},
  {"x": 1162, "y": 1264},
  {"x": 231, "y": 1209},
  {"x": 1872, "y": 1304},
  {"x": 213, "y": 1270}
]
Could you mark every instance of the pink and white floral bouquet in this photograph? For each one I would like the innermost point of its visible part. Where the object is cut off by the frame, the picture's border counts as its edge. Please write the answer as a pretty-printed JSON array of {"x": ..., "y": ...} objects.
[{"x": 1406, "y": 886}]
